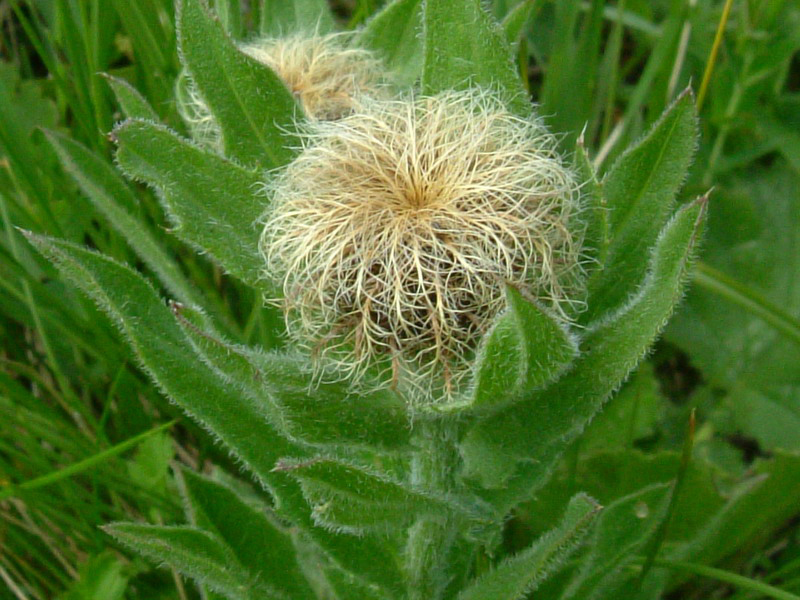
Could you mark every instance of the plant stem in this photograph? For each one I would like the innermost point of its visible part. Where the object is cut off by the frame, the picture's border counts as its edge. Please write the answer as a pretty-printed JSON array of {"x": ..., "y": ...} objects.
[{"x": 431, "y": 540}]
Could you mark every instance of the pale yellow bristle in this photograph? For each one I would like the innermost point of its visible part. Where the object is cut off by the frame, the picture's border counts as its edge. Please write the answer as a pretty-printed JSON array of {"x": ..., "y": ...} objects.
[
  {"x": 395, "y": 230},
  {"x": 324, "y": 72}
]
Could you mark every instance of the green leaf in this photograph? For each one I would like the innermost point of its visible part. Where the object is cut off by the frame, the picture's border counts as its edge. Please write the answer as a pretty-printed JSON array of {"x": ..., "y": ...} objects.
[
  {"x": 365, "y": 558},
  {"x": 133, "y": 104},
  {"x": 168, "y": 357},
  {"x": 622, "y": 531},
  {"x": 526, "y": 349},
  {"x": 651, "y": 88},
  {"x": 751, "y": 252},
  {"x": 464, "y": 47},
  {"x": 284, "y": 17},
  {"x": 519, "y": 575},
  {"x": 333, "y": 414},
  {"x": 193, "y": 552},
  {"x": 261, "y": 547},
  {"x": 319, "y": 414},
  {"x": 202, "y": 128},
  {"x": 253, "y": 107},
  {"x": 346, "y": 497},
  {"x": 728, "y": 578},
  {"x": 536, "y": 431},
  {"x": 597, "y": 234},
  {"x": 213, "y": 202},
  {"x": 114, "y": 200},
  {"x": 640, "y": 195},
  {"x": 65, "y": 472},
  {"x": 394, "y": 34},
  {"x": 152, "y": 41}
]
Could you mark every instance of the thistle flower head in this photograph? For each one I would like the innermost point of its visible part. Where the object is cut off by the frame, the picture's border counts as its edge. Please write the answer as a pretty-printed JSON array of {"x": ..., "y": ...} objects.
[
  {"x": 395, "y": 230},
  {"x": 324, "y": 73}
]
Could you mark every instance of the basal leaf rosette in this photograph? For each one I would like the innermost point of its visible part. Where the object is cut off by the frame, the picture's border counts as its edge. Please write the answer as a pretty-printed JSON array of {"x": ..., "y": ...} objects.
[
  {"x": 396, "y": 230},
  {"x": 326, "y": 73}
]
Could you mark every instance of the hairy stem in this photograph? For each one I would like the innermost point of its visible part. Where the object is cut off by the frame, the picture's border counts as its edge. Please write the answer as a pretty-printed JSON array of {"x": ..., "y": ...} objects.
[{"x": 430, "y": 540}]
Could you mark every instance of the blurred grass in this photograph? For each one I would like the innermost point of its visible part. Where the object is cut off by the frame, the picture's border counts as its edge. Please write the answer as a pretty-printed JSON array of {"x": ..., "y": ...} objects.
[{"x": 70, "y": 390}]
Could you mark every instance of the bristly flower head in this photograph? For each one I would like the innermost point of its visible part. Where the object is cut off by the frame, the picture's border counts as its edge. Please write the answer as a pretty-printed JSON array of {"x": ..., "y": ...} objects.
[
  {"x": 325, "y": 73},
  {"x": 394, "y": 233}
]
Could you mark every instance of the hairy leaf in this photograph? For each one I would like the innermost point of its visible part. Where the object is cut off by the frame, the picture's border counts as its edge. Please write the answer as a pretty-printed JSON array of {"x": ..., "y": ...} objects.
[
  {"x": 171, "y": 361},
  {"x": 213, "y": 202},
  {"x": 346, "y": 587},
  {"x": 315, "y": 413},
  {"x": 347, "y": 497},
  {"x": 536, "y": 431},
  {"x": 198, "y": 554},
  {"x": 252, "y": 106},
  {"x": 114, "y": 199},
  {"x": 260, "y": 546},
  {"x": 464, "y": 47},
  {"x": 597, "y": 236},
  {"x": 639, "y": 194},
  {"x": 522, "y": 573},
  {"x": 526, "y": 349},
  {"x": 167, "y": 355},
  {"x": 134, "y": 105}
]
